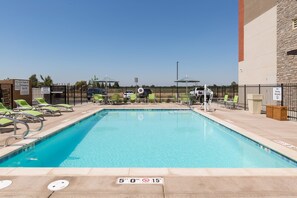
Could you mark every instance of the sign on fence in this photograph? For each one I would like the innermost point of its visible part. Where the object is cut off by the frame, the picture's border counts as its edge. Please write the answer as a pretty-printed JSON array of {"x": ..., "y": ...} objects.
[
  {"x": 45, "y": 90},
  {"x": 277, "y": 93},
  {"x": 24, "y": 91},
  {"x": 22, "y": 86},
  {"x": 20, "y": 83}
]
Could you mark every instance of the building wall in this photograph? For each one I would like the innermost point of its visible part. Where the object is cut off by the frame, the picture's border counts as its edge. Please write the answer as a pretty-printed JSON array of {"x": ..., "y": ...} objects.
[
  {"x": 260, "y": 53},
  {"x": 241, "y": 30},
  {"x": 255, "y": 8},
  {"x": 286, "y": 41}
]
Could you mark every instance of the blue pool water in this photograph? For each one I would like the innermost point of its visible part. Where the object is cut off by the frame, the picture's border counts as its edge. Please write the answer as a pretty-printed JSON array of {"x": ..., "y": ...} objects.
[{"x": 147, "y": 138}]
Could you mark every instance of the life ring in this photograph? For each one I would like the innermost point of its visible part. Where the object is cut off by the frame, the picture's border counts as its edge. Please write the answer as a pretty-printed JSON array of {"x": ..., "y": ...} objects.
[{"x": 140, "y": 90}]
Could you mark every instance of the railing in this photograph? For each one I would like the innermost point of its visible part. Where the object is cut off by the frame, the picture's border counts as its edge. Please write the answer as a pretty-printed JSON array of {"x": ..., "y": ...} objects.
[
  {"x": 78, "y": 94},
  {"x": 288, "y": 96}
]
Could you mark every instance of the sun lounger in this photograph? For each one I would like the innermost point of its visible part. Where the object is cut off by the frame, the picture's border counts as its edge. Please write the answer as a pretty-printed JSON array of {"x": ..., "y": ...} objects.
[
  {"x": 184, "y": 99},
  {"x": 42, "y": 103},
  {"x": 115, "y": 98},
  {"x": 26, "y": 113},
  {"x": 98, "y": 98},
  {"x": 23, "y": 105},
  {"x": 223, "y": 101},
  {"x": 133, "y": 98},
  {"x": 233, "y": 104},
  {"x": 152, "y": 98}
]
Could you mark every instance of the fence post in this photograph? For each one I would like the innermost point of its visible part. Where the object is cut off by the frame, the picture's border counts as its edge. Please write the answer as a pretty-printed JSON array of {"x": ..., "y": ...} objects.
[
  {"x": 233, "y": 89},
  {"x": 11, "y": 95},
  {"x": 51, "y": 100},
  {"x": 282, "y": 90},
  {"x": 81, "y": 88},
  {"x": 259, "y": 89},
  {"x": 74, "y": 95},
  {"x": 160, "y": 94},
  {"x": 244, "y": 90},
  {"x": 65, "y": 92},
  {"x": 217, "y": 92}
]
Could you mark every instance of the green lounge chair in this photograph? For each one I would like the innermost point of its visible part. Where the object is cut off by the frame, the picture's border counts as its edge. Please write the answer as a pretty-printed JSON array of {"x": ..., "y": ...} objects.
[
  {"x": 152, "y": 98},
  {"x": 184, "y": 99},
  {"x": 133, "y": 98},
  {"x": 115, "y": 99},
  {"x": 233, "y": 104},
  {"x": 26, "y": 113},
  {"x": 224, "y": 101},
  {"x": 23, "y": 105},
  {"x": 42, "y": 103},
  {"x": 98, "y": 98}
]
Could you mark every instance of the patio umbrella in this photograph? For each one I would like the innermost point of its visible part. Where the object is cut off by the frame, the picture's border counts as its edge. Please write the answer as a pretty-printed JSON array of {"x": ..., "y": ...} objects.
[{"x": 187, "y": 80}]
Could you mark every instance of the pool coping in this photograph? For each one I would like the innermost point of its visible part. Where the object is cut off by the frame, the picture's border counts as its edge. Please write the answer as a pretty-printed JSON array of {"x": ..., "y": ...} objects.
[{"x": 33, "y": 138}]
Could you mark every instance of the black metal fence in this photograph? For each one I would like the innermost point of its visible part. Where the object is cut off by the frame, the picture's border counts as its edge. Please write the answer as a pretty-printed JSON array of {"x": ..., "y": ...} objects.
[
  {"x": 64, "y": 94},
  {"x": 78, "y": 94},
  {"x": 288, "y": 96}
]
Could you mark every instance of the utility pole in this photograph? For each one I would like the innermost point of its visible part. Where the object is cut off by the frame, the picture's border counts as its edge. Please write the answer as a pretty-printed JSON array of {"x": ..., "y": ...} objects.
[{"x": 177, "y": 80}]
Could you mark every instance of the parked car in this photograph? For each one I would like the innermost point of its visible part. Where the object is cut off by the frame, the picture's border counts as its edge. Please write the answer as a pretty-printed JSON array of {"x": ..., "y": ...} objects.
[
  {"x": 127, "y": 94},
  {"x": 92, "y": 91},
  {"x": 198, "y": 92},
  {"x": 144, "y": 92}
]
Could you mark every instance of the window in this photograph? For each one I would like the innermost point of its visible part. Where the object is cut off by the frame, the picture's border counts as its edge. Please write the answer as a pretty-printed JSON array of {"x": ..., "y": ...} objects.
[{"x": 294, "y": 24}]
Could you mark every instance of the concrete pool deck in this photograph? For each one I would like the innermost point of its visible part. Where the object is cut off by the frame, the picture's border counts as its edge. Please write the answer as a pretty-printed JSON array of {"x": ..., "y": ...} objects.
[{"x": 97, "y": 182}]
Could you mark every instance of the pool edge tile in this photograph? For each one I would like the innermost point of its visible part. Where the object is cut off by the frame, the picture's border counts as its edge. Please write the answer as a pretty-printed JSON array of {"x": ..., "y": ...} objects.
[
  {"x": 109, "y": 172},
  {"x": 69, "y": 171},
  {"x": 30, "y": 171},
  {"x": 149, "y": 171},
  {"x": 188, "y": 172}
]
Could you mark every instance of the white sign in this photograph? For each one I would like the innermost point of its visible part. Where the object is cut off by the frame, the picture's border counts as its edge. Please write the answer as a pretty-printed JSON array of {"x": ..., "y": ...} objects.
[
  {"x": 24, "y": 91},
  {"x": 277, "y": 93},
  {"x": 45, "y": 90},
  {"x": 19, "y": 83},
  {"x": 140, "y": 180}
]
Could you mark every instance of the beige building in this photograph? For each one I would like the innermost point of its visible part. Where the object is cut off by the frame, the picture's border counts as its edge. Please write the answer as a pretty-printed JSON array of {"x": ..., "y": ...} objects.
[{"x": 267, "y": 42}]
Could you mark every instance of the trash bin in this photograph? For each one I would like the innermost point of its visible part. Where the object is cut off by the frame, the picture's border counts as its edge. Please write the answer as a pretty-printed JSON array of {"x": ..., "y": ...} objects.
[
  {"x": 280, "y": 112},
  {"x": 255, "y": 103},
  {"x": 269, "y": 111}
]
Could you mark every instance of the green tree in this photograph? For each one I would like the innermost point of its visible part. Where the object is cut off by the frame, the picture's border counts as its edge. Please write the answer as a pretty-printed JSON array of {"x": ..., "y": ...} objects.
[
  {"x": 81, "y": 83},
  {"x": 34, "y": 81},
  {"x": 47, "y": 81},
  {"x": 233, "y": 83}
]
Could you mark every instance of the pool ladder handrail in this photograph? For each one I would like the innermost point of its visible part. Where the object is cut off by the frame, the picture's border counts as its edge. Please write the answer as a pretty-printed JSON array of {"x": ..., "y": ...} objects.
[{"x": 26, "y": 132}]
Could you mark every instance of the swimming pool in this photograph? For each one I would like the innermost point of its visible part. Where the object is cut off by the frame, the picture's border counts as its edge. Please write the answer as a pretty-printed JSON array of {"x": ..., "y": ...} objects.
[{"x": 148, "y": 138}]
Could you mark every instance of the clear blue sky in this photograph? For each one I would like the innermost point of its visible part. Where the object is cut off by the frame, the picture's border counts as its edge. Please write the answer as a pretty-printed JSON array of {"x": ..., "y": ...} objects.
[{"x": 73, "y": 40}]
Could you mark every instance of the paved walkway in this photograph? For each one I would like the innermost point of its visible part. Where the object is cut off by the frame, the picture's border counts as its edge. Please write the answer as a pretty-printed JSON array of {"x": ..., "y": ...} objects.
[{"x": 219, "y": 184}]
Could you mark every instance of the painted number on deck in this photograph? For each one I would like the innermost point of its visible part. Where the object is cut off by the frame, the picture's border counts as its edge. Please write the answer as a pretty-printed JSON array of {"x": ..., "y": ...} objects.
[{"x": 140, "y": 180}]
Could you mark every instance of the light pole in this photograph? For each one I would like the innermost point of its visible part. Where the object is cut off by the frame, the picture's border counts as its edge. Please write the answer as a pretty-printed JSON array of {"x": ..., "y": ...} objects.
[
  {"x": 177, "y": 80},
  {"x": 136, "y": 81}
]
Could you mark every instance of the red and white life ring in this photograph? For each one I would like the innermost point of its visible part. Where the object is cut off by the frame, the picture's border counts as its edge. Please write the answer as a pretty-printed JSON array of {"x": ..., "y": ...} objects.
[{"x": 140, "y": 90}]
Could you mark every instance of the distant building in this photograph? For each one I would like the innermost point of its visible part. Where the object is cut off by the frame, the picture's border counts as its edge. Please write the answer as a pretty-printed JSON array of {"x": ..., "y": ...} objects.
[{"x": 267, "y": 42}]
